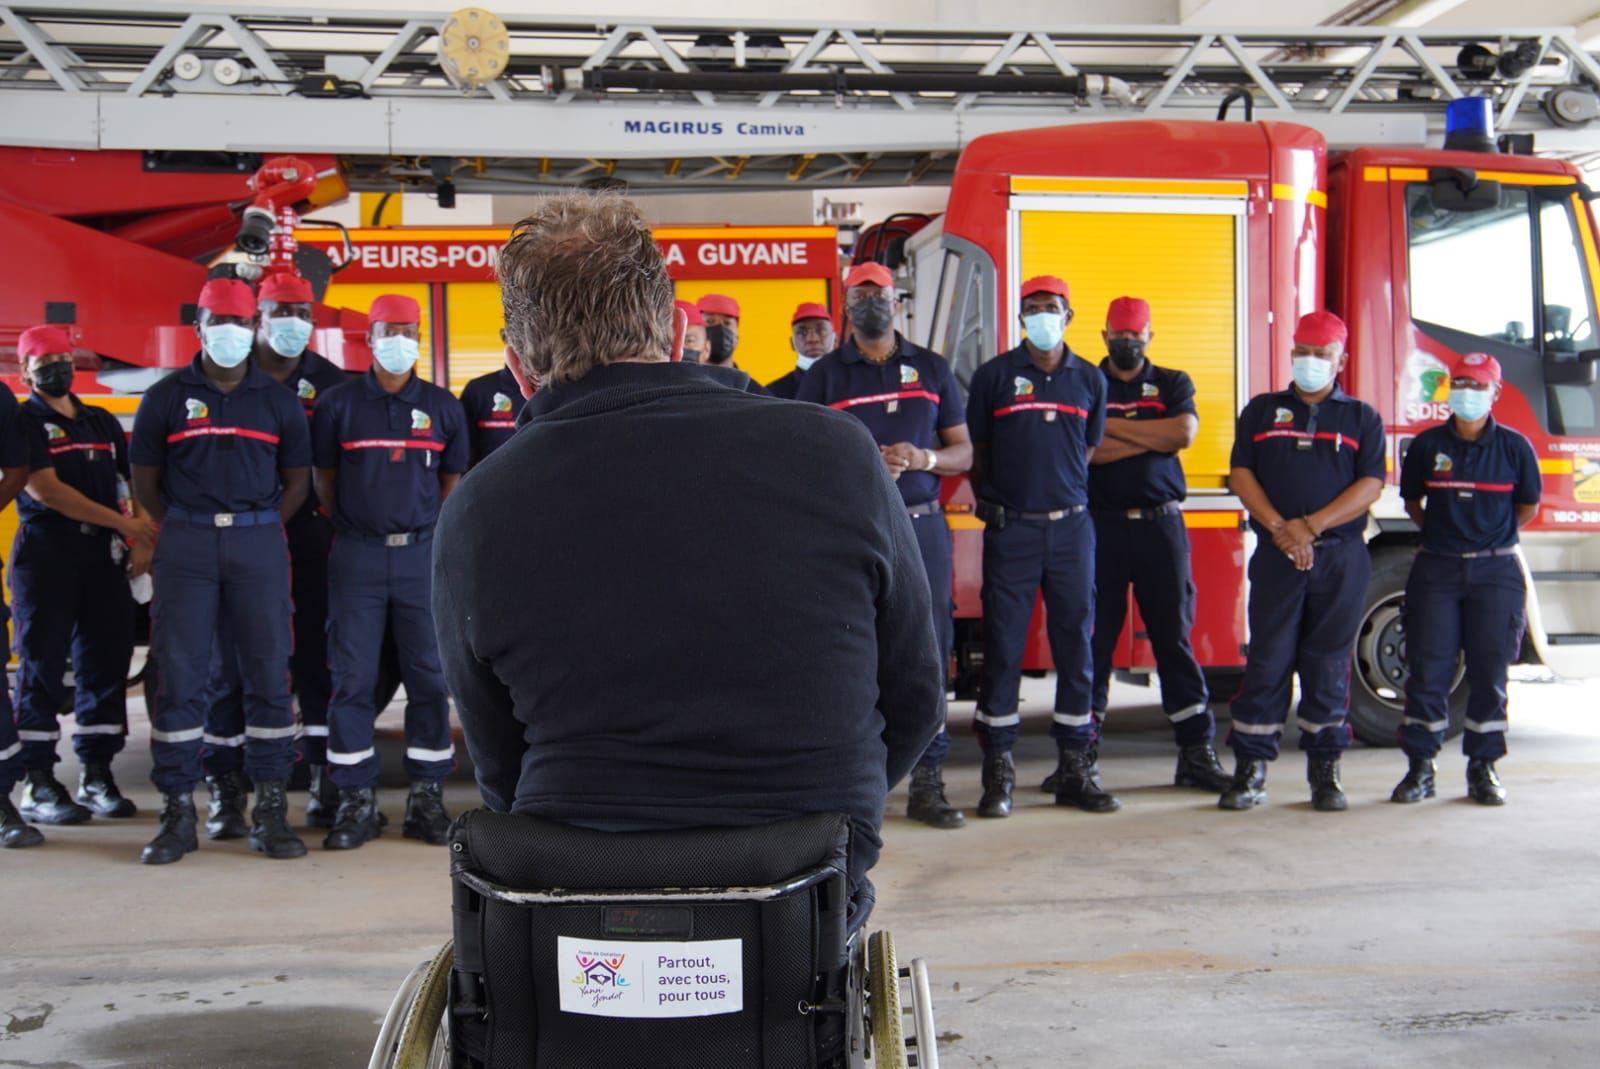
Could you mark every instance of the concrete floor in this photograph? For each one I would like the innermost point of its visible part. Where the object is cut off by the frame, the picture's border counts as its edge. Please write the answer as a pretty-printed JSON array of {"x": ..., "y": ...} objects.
[{"x": 1169, "y": 933}]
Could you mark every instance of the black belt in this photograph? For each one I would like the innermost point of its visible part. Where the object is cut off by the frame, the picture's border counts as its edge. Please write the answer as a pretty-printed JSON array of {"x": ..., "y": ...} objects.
[
  {"x": 926, "y": 508},
  {"x": 1171, "y": 508},
  {"x": 392, "y": 541},
  {"x": 1047, "y": 517},
  {"x": 1503, "y": 551}
]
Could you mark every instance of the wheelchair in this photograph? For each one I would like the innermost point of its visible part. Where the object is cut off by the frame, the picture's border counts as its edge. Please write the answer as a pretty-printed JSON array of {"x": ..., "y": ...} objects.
[{"x": 716, "y": 948}]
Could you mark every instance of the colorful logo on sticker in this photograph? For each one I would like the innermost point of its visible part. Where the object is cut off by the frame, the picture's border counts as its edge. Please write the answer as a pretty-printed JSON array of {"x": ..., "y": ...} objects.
[
  {"x": 1433, "y": 385},
  {"x": 1023, "y": 387},
  {"x": 196, "y": 409},
  {"x": 420, "y": 420},
  {"x": 305, "y": 391},
  {"x": 601, "y": 970},
  {"x": 1150, "y": 389},
  {"x": 54, "y": 433},
  {"x": 502, "y": 403},
  {"x": 1442, "y": 464},
  {"x": 1282, "y": 417},
  {"x": 909, "y": 375}
]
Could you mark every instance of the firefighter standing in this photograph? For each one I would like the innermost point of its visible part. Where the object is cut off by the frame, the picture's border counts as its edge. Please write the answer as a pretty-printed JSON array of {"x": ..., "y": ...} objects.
[
  {"x": 1135, "y": 486},
  {"x": 813, "y": 337},
  {"x": 908, "y": 398},
  {"x": 14, "y": 832},
  {"x": 220, "y": 456},
  {"x": 490, "y": 403},
  {"x": 721, "y": 314},
  {"x": 694, "y": 333},
  {"x": 1037, "y": 413},
  {"x": 1307, "y": 464},
  {"x": 69, "y": 585},
  {"x": 389, "y": 448},
  {"x": 1469, "y": 484}
]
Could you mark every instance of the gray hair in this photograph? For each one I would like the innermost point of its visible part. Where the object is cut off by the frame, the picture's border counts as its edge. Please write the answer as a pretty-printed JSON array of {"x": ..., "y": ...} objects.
[{"x": 583, "y": 283}]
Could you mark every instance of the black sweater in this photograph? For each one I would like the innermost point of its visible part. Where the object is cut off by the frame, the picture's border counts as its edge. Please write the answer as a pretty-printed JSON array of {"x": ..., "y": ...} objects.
[{"x": 669, "y": 603}]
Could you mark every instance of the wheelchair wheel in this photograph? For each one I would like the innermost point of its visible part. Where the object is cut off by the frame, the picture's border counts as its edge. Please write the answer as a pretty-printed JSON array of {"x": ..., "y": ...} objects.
[
  {"x": 415, "y": 1032},
  {"x": 883, "y": 1000}
]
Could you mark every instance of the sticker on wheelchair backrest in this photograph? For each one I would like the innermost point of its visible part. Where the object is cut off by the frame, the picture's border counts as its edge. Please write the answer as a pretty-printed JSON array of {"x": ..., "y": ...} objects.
[{"x": 614, "y": 978}]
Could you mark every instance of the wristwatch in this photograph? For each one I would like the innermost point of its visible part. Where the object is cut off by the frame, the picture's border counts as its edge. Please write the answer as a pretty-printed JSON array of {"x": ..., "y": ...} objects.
[{"x": 933, "y": 460}]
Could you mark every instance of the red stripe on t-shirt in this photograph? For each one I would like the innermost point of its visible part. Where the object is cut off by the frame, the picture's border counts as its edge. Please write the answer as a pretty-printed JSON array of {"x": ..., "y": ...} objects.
[
  {"x": 1162, "y": 405},
  {"x": 498, "y": 424},
  {"x": 394, "y": 443},
  {"x": 884, "y": 398},
  {"x": 228, "y": 432},
  {"x": 1456, "y": 484},
  {"x": 81, "y": 447},
  {"x": 1325, "y": 436},
  {"x": 1041, "y": 406}
]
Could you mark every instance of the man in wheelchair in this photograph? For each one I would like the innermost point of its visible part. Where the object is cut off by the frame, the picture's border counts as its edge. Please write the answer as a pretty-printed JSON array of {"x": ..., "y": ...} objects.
[{"x": 690, "y": 641}]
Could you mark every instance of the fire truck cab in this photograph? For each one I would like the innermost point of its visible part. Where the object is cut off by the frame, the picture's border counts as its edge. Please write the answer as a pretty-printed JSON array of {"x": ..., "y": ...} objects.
[{"x": 1234, "y": 230}]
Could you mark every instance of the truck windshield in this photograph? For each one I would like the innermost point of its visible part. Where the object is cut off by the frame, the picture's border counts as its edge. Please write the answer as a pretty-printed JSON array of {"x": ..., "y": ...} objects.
[{"x": 1514, "y": 279}]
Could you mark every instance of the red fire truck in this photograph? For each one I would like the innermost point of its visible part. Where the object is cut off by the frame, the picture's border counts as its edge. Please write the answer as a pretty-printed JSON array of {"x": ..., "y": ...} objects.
[{"x": 1232, "y": 231}]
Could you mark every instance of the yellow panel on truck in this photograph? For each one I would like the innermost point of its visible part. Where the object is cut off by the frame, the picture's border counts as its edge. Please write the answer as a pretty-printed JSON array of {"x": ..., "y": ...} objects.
[{"x": 1181, "y": 253}]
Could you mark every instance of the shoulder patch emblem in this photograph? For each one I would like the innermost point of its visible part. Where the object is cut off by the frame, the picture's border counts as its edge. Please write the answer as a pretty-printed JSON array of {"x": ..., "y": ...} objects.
[
  {"x": 420, "y": 420},
  {"x": 909, "y": 376},
  {"x": 196, "y": 409},
  {"x": 305, "y": 391},
  {"x": 1282, "y": 416},
  {"x": 53, "y": 432},
  {"x": 502, "y": 403},
  {"x": 1022, "y": 387},
  {"x": 1150, "y": 389},
  {"x": 1442, "y": 463}
]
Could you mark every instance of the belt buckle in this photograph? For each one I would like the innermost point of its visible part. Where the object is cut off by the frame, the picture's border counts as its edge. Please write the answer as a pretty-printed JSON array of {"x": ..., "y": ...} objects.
[
  {"x": 1136, "y": 514},
  {"x": 393, "y": 540},
  {"x": 1057, "y": 514},
  {"x": 223, "y": 519}
]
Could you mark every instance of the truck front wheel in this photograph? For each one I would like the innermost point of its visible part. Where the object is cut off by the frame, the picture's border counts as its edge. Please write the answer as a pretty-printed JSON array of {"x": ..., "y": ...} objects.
[{"x": 1378, "y": 683}]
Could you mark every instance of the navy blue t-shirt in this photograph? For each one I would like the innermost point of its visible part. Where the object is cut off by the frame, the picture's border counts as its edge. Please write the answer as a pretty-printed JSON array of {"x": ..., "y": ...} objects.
[
  {"x": 1472, "y": 488},
  {"x": 910, "y": 397},
  {"x": 491, "y": 402},
  {"x": 788, "y": 386},
  {"x": 1039, "y": 428},
  {"x": 13, "y": 450},
  {"x": 1147, "y": 479},
  {"x": 220, "y": 452},
  {"x": 88, "y": 452},
  {"x": 1304, "y": 455},
  {"x": 313, "y": 376},
  {"x": 389, "y": 450}
]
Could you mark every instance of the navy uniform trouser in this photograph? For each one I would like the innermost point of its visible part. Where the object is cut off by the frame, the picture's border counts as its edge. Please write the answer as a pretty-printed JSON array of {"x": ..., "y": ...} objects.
[
  {"x": 1458, "y": 607},
  {"x": 207, "y": 578},
  {"x": 1019, "y": 560},
  {"x": 373, "y": 586},
  {"x": 71, "y": 602},
  {"x": 933, "y": 542},
  {"x": 1151, "y": 555},
  {"x": 1301, "y": 622},
  {"x": 10, "y": 745}
]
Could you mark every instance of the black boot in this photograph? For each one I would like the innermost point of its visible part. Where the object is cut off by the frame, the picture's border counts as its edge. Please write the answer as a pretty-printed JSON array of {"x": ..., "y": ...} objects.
[
  {"x": 1078, "y": 782},
  {"x": 322, "y": 798},
  {"x": 46, "y": 801},
  {"x": 356, "y": 821},
  {"x": 1249, "y": 786},
  {"x": 999, "y": 780},
  {"x": 14, "y": 833},
  {"x": 177, "y": 835},
  {"x": 1483, "y": 783},
  {"x": 425, "y": 815},
  {"x": 98, "y": 791},
  {"x": 1418, "y": 782},
  {"x": 928, "y": 803},
  {"x": 1198, "y": 766},
  {"x": 1327, "y": 796},
  {"x": 225, "y": 814},
  {"x": 269, "y": 832}
]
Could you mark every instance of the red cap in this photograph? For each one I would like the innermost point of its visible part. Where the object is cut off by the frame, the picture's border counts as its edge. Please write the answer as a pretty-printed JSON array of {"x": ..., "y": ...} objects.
[
  {"x": 1479, "y": 367},
  {"x": 228, "y": 297},
  {"x": 719, "y": 304},
  {"x": 1318, "y": 329},
  {"x": 1046, "y": 284},
  {"x": 1128, "y": 313},
  {"x": 286, "y": 288},
  {"x": 395, "y": 308},
  {"x": 44, "y": 341},
  {"x": 869, "y": 274},
  {"x": 811, "y": 310},
  {"x": 692, "y": 310}
]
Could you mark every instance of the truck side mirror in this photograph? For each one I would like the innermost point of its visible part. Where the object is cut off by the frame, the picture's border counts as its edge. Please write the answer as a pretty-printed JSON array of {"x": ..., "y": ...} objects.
[
  {"x": 1458, "y": 189},
  {"x": 1578, "y": 369}
]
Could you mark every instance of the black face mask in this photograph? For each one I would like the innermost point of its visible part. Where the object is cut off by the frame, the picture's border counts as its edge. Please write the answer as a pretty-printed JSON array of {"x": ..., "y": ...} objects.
[
  {"x": 54, "y": 380},
  {"x": 692, "y": 356},
  {"x": 1126, "y": 353},
  {"x": 721, "y": 341},
  {"x": 873, "y": 317}
]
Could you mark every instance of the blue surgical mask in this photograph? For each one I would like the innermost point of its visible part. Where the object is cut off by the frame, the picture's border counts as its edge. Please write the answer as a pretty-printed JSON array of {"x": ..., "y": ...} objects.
[
  {"x": 1312, "y": 373},
  {"x": 804, "y": 362},
  {"x": 1045, "y": 329},
  {"x": 1471, "y": 405},
  {"x": 288, "y": 335},
  {"x": 396, "y": 354},
  {"x": 227, "y": 344}
]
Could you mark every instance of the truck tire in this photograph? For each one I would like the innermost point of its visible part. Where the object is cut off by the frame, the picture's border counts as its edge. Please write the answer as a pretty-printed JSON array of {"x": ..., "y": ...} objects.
[{"x": 1378, "y": 677}]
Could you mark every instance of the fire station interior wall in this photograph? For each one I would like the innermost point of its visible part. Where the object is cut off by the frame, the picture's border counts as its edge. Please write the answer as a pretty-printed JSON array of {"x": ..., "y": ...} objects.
[
  {"x": 766, "y": 306},
  {"x": 1184, "y": 266},
  {"x": 358, "y": 296},
  {"x": 473, "y": 331}
]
